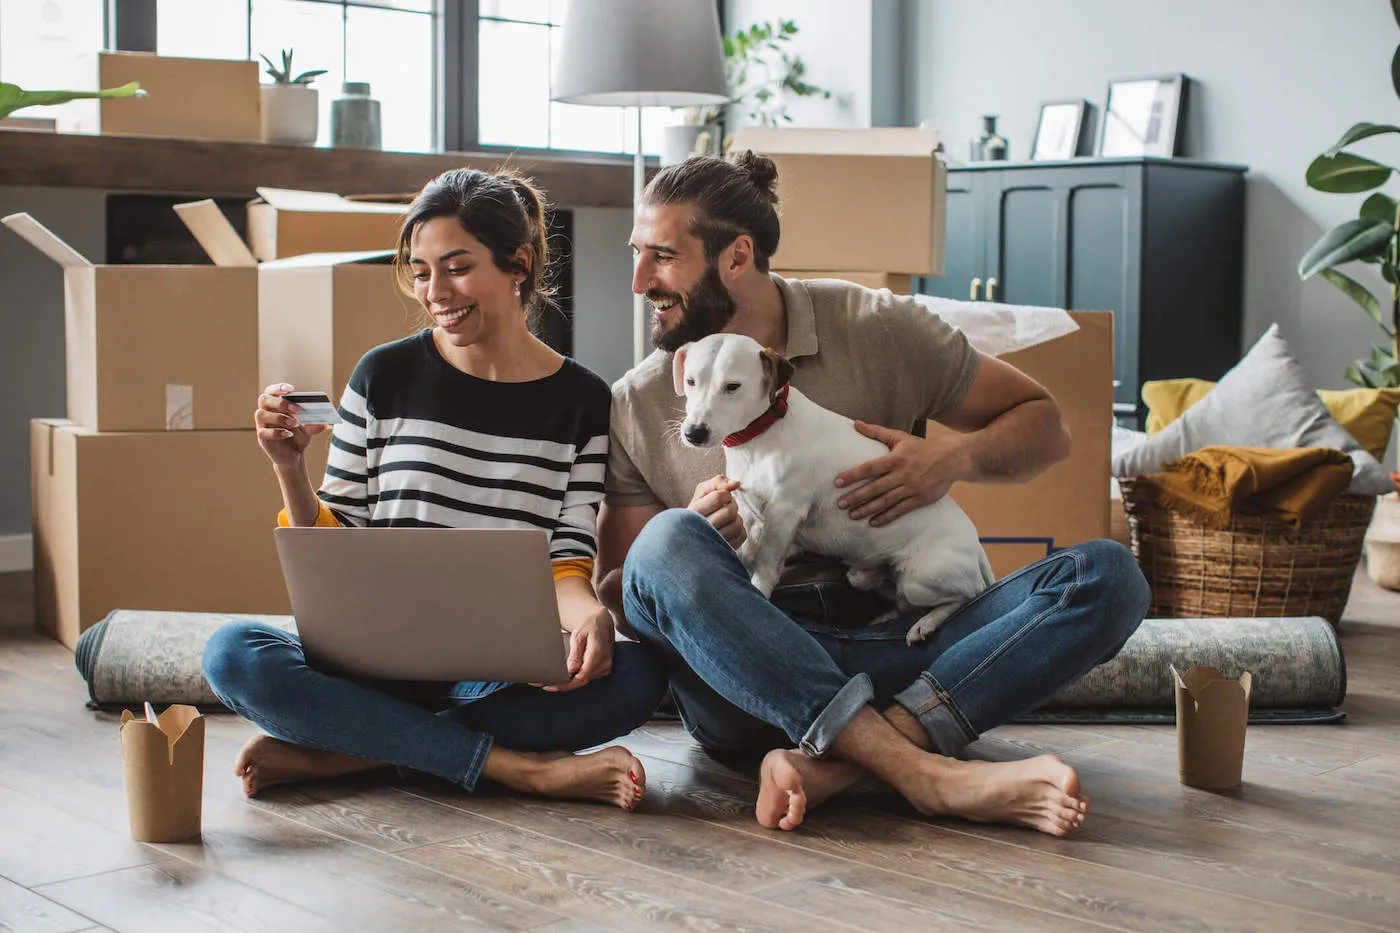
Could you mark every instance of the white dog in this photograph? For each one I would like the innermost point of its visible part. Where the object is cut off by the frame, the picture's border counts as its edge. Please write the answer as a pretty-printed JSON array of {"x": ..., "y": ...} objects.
[{"x": 786, "y": 459}]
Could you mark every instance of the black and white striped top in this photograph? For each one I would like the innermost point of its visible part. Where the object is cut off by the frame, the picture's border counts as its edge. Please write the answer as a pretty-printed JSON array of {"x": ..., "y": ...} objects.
[{"x": 425, "y": 444}]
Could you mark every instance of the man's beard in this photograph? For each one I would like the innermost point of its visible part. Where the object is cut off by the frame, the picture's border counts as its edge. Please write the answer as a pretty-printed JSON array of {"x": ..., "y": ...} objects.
[{"x": 706, "y": 309}]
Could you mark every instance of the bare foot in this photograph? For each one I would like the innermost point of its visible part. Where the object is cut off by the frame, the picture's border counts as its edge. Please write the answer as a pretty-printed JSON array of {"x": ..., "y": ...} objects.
[
  {"x": 613, "y": 775},
  {"x": 789, "y": 782},
  {"x": 1042, "y": 793},
  {"x": 266, "y": 761}
]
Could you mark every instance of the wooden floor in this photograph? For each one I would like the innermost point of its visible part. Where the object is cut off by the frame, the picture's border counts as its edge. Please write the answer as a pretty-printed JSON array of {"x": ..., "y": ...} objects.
[{"x": 1311, "y": 841}]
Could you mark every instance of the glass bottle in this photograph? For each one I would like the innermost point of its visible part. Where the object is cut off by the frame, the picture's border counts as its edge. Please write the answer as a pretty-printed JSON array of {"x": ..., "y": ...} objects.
[
  {"x": 991, "y": 147},
  {"x": 355, "y": 117}
]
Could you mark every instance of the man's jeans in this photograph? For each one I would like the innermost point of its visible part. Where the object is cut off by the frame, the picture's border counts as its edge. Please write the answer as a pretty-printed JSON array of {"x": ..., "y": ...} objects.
[
  {"x": 260, "y": 672},
  {"x": 747, "y": 673}
]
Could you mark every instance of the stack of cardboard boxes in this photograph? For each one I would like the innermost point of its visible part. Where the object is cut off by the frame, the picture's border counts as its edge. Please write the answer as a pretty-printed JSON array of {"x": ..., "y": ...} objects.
[
  {"x": 866, "y": 206},
  {"x": 153, "y": 492}
]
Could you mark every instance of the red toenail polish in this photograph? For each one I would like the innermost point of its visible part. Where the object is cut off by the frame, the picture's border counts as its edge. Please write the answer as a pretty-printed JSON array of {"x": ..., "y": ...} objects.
[{"x": 633, "y": 776}]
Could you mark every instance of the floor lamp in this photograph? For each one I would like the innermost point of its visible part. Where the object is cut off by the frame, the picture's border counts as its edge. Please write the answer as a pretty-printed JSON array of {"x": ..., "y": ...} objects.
[{"x": 640, "y": 53}]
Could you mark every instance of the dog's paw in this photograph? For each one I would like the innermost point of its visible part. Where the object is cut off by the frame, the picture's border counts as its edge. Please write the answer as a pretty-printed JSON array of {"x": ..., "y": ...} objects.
[
  {"x": 764, "y": 584},
  {"x": 929, "y": 623}
]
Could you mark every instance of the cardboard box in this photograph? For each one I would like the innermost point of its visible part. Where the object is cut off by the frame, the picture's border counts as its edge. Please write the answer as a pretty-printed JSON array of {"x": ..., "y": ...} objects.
[
  {"x": 152, "y": 348},
  {"x": 857, "y": 199},
  {"x": 319, "y": 313},
  {"x": 1068, "y": 503},
  {"x": 163, "y": 765},
  {"x": 284, "y": 223},
  {"x": 178, "y": 520},
  {"x": 896, "y": 282},
  {"x": 192, "y": 98}
]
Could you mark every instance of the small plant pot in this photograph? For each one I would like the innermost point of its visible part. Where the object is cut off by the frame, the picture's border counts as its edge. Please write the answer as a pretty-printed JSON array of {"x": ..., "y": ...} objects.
[
  {"x": 289, "y": 114},
  {"x": 679, "y": 143}
]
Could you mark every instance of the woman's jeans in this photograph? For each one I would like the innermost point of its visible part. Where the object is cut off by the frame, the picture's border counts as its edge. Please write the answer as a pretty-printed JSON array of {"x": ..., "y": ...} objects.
[
  {"x": 447, "y": 730},
  {"x": 750, "y": 674}
]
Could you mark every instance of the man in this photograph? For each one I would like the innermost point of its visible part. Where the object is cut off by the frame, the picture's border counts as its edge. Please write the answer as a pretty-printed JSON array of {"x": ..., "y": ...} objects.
[{"x": 808, "y": 668}]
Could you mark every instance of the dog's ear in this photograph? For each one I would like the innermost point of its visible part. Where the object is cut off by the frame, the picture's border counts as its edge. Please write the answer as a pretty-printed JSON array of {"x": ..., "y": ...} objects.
[
  {"x": 779, "y": 369},
  {"x": 678, "y": 369}
]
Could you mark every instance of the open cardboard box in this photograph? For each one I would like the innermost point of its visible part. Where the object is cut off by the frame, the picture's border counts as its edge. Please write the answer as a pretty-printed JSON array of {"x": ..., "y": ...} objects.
[
  {"x": 284, "y": 223},
  {"x": 153, "y": 348},
  {"x": 189, "y": 98},
  {"x": 1068, "y": 503},
  {"x": 177, "y": 520},
  {"x": 318, "y": 313},
  {"x": 866, "y": 199}
]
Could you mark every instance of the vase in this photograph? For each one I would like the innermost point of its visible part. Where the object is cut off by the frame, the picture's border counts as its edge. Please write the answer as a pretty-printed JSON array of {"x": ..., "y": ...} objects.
[
  {"x": 289, "y": 114},
  {"x": 355, "y": 118},
  {"x": 991, "y": 147},
  {"x": 679, "y": 143}
]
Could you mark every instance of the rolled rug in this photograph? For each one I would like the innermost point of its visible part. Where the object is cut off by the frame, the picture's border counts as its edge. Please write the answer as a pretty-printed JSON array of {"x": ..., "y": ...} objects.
[
  {"x": 1297, "y": 665},
  {"x": 1299, "y": 675}
]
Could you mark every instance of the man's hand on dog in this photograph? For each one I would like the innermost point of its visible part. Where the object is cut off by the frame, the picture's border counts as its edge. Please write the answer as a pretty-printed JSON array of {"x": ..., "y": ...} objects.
[
  {"x": 714, "y": 501},
  {"x": 915, "y": 473}
]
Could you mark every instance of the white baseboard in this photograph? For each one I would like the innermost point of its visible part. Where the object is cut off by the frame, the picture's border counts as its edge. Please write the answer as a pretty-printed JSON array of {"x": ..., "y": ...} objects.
[{"x": 16, "y": 553}]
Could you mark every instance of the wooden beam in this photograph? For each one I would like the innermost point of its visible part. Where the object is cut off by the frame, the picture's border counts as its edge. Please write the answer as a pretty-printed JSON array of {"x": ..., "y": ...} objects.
[{"x": 209, "y": 168}]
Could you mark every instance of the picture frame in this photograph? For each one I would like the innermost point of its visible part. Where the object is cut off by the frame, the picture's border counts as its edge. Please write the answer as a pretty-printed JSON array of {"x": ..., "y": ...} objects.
[
  {"x": 1143, "y": 116},
  {"x": 1060, "y": 130}
]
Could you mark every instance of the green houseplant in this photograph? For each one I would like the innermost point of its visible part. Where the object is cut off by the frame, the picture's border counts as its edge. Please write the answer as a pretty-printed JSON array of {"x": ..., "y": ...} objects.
[
  {"x": 13, "y": 97},
  {"x": 290, "y": 105},
  {"x": 1373, "y": 237},
  {"x": 762, "y": 74}
]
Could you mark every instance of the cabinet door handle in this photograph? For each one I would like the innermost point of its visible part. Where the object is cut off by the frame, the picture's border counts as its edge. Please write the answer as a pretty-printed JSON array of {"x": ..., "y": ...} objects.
[
  {"x": 976, "y": 288},
  {"x": 992, "y": 288}
]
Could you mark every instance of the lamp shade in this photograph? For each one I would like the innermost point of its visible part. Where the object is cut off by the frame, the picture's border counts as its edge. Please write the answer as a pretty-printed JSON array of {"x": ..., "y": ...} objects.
[{"x": 641, "y": 53}]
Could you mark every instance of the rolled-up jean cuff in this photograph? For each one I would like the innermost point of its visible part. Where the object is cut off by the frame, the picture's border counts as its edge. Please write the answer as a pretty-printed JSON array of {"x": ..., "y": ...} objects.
[
  {"x": 831, "y": 721},
  {"x": 929, "y": 703}
]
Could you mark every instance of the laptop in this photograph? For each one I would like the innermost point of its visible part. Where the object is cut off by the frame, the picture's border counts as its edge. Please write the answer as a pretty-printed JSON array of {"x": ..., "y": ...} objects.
[{"x": 435, "y": 604}]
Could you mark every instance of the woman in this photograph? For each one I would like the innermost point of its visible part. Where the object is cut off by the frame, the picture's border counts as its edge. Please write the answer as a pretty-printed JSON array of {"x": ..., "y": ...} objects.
[{"x": 467, "y": 421}]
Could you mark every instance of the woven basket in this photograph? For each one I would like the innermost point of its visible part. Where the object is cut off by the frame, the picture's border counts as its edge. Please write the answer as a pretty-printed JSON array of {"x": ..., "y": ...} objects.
[{"x": 1257, "y": 566}]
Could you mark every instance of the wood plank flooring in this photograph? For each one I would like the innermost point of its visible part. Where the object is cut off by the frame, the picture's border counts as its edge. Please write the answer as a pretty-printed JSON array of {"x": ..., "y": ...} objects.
[{"x": 1311, "y": 841}]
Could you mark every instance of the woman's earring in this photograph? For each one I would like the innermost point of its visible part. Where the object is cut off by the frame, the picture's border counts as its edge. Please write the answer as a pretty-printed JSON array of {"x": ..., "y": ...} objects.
[{"x": 517, "y": 289}]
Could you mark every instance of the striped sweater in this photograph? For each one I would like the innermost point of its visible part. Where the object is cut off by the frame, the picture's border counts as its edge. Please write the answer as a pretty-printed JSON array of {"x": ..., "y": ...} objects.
[{"x": 426, "y": 445}]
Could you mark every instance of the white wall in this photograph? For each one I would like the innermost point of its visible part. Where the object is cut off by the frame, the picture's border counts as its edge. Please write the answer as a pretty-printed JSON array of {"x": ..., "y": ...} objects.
[
  {"x": 834, "y": 39},
  {"x": 1277, "y": 81},
  {"x": 603, "y": 290}
]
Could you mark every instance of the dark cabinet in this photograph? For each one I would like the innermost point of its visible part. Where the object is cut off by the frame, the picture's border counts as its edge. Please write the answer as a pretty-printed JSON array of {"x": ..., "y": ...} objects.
[{"x": 1159, "y": 242}]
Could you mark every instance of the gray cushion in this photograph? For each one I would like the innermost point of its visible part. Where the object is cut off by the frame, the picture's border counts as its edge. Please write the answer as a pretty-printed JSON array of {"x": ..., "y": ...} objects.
[{"x": 1265, "y": 401}]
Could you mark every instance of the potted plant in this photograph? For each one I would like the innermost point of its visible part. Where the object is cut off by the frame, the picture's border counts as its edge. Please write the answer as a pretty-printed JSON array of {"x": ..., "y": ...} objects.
[
  {"x": 762, "y": 75},
  {"x": 289, "y": 105},
  {"x": 13, "y": 97}
]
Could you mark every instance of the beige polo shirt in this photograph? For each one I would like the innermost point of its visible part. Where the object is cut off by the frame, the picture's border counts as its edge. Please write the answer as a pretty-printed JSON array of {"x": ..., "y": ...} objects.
[{"x": 870, "y": 355}]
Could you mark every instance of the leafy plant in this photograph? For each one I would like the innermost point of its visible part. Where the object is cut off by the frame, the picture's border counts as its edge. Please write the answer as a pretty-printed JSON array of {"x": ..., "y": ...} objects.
[
  {"x": 761, "y": 74},
  {"x": 13, "y": 97},
  {"x": 283, "y": 75},
  {"x": 1373, "y": 237}
]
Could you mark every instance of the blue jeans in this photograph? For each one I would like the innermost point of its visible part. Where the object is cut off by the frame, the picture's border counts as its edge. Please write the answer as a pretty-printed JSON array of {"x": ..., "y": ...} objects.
[
  {"x": 750, "y": 674},
  {"x": 447, "y": 730}
]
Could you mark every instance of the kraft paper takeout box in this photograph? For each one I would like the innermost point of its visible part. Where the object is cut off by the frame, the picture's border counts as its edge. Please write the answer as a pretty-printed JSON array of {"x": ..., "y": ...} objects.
[
  {"x": 164, "y": 768},
  {"x": 1068, "y": 503},
  {"x": 1211, "y": 714},
  {"x": 318, "y": 313},
  {"x": 856, "y": 200},
  {"x": 177, "y": 520},
  {"x": 151, "y": 348}
]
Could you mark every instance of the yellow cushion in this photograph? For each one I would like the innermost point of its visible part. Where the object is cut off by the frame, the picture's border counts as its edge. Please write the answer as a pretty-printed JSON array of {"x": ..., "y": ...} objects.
[{"x": 1367, "y": 414}]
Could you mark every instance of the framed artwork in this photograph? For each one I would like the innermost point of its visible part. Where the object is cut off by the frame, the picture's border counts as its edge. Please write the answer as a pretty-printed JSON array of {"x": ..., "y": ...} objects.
[
  {"x": 1143, "y": 116},
  {"x": 1057, "y": 135}
]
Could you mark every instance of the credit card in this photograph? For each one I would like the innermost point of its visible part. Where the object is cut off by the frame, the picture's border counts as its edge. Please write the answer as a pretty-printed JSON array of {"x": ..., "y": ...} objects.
[{"x": 316, "y": 408}]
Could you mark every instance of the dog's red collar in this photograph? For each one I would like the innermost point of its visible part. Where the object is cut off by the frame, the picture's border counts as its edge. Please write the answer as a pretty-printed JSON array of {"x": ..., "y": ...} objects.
[{"x": 762, "y": 423}]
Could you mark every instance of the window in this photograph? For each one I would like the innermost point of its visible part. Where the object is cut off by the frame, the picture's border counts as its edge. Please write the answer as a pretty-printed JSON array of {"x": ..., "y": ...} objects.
[
  {"x": 389, "y": 43},
  {"x": 52, "y": 45},
  {"x": 518, "y": 48}
]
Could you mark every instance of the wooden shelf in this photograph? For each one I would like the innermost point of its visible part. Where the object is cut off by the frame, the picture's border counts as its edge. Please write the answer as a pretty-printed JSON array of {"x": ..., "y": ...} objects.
[{"x": 210, "y": 168}]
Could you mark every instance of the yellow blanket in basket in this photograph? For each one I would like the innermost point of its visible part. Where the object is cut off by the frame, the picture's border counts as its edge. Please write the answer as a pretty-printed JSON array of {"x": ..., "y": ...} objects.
[{"x": 1210, "y": 484}]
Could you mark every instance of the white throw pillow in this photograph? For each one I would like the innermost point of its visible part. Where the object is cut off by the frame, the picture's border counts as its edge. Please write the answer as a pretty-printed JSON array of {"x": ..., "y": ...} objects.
[{"x": 1265, "y": 401}]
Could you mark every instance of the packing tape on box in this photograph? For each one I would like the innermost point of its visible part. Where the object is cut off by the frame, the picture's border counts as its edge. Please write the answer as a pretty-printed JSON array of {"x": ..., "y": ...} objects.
[{"x": 179, "y": 407}]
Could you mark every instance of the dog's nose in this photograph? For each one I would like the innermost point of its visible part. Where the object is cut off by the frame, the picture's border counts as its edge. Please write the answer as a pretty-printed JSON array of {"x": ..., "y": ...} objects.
[{"x": 697, "y": 433}]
